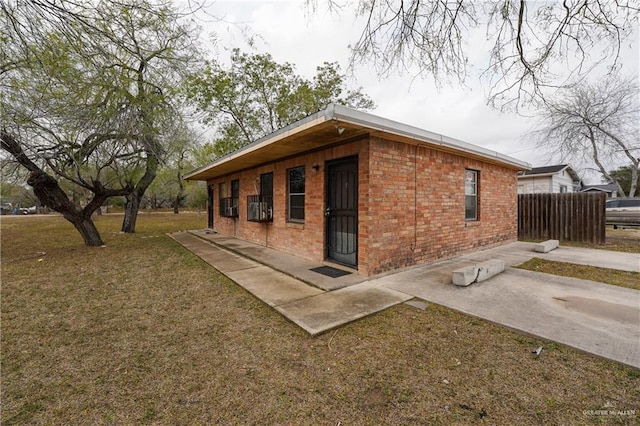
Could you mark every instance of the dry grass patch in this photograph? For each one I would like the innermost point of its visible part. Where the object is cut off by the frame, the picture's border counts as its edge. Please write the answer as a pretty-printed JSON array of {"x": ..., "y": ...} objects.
[
  {"x": 626, "y": 240},
  {"x": 143, "y": 332},
  {"x": 584, "y": 272}
]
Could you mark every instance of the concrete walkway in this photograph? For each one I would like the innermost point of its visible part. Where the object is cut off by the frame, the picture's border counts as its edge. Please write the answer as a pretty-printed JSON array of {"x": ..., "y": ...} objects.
[
  {"x": 310, "y": 307},
  {"x": 291, "y": 265},
  {"x": 597, "y": 318},
  {"x": 593, "y": 317}
]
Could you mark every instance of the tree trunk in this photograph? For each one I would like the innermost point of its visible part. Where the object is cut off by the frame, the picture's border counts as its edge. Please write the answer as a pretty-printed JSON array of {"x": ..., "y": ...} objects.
[
  {"x": 634, "y": 180},
  {"x": 86, "y": 228},
  {"x": 596, "y": 159},
  {"x": 176, "y": 205},
  {"x": 180, "y": 196},
  {"x": 635, "y": 162},
  {"x": 135, "y": 196},
  {"x": 131, "y": 212},
  {"x": 50, "y": 194}
]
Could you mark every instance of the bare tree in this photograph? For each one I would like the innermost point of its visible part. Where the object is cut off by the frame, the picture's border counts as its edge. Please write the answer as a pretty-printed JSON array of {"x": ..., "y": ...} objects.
[
  {"x": 595, "y": 122},
  {"x": 533, "y": 44}
]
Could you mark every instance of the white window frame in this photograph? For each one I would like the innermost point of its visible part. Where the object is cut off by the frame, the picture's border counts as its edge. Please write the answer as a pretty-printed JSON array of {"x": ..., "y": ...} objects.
[{"x": 471, "y": 192}]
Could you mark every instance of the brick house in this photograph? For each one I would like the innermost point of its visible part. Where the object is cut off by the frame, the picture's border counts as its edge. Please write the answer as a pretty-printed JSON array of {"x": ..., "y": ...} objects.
[{"x": 352, "y": 188}]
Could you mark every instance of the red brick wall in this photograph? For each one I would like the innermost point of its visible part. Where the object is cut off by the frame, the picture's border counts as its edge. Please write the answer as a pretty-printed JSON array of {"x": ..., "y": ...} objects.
[
  {"x": 417, "y": 206},
  {"x": 305, "y": 240},
  {"x": 411, "y": 205}
]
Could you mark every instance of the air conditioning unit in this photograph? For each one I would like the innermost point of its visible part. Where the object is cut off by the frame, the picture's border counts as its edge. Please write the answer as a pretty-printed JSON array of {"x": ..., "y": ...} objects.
[{"x": 260, "y": 211}]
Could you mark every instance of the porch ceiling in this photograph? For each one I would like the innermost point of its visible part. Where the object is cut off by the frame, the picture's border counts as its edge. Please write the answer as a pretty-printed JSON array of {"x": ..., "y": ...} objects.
[
  {"x": 336, "y": 124},
  {"x": 317, "y": 136}
]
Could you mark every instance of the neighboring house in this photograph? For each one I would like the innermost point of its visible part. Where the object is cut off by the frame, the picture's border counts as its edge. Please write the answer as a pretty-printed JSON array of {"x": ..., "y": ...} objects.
[
  {"x": 549, "y": 179},
  {"x": 611, "y": 189},
  {"x": 362, "y": 191}
]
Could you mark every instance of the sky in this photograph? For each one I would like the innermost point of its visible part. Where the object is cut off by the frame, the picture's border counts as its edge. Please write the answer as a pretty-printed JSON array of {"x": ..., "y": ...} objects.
[{"x": 292, "y": 33}]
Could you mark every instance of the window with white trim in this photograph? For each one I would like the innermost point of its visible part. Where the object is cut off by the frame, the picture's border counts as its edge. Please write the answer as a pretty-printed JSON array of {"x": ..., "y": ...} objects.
[{"x": 471, "y": 194}]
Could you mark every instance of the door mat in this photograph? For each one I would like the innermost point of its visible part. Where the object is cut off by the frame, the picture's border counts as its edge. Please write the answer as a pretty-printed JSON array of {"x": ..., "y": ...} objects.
[{"x": 329, "y": 271}]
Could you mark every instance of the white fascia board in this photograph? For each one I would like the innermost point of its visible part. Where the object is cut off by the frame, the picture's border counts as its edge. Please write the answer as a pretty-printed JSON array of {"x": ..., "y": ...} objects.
[
  {"x": 349, "y": 115},
  {"x": 568, "y": 168},
  {"x": 537, "y": 175}
]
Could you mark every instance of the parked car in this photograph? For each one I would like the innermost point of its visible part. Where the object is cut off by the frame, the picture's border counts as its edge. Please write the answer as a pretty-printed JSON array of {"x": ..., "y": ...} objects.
[{"x": 623, "y": 212}]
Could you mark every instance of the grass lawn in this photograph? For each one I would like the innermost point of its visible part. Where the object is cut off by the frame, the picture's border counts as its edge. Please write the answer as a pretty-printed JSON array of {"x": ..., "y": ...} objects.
[
  {"x": 143, "y": 332},
  {"x": 602, "y": 275},
  {"x": 627, "y": 240},
  {"x": 624, "y": 240}
]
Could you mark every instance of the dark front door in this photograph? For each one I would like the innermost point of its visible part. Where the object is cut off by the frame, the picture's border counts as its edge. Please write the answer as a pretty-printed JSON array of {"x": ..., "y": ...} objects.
[
  {"x": 342, "y": 211},
  {"x": 210, "y": 206}
]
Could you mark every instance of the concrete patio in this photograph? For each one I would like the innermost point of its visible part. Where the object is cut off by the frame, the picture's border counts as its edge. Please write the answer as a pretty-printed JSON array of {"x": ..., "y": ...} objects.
[{"x": 597, "y": 318}]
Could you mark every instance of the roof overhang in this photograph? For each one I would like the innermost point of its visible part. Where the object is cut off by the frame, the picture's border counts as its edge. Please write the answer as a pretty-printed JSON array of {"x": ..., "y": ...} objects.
[
  {"x": 336, "y": 124},
  {"x": 572, "y": 173},
  {"x": 594, "y": 188}
]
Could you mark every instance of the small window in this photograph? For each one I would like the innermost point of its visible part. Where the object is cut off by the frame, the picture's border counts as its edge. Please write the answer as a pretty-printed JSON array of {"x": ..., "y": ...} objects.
[
  {"x": 229, "y": 205},
  {"x": 260, "y": 206},
  {"x": 296, "y": 194},
  {"x": 222, "y": 204},
  {"x": 266, "y": 184},
  {"x": 563, "y": 189},
  {"x": 471, "y": 195},
  {"x": 222, "y": 190},
  {"x": 235, "y": 192}
]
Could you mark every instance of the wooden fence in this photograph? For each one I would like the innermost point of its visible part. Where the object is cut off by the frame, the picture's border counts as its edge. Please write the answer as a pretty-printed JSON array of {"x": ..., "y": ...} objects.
[{"x": 576, "y": 217}]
